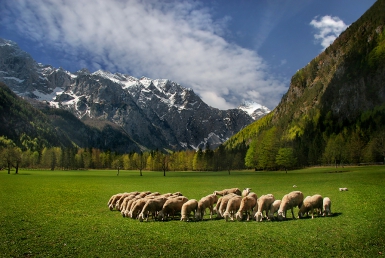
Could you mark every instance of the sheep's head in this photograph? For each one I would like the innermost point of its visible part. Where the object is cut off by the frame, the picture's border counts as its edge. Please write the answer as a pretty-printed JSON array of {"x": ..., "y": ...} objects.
[
  {"x": 258, "y": 216},
  {"x": 281, "y": 215},
  {"x": 238, "y": 216}
]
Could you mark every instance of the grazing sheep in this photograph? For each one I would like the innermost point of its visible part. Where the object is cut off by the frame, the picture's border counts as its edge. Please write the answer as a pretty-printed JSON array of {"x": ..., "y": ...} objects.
[
  {"x": 112, "y": 201},
  {"x": 152, "y": 206},
  {"x": 216, "y": 208},
  {"x": 247, "y": 205},
  {"x": 327, "y": 206},
  {"x": 223, "y": 204},
  {"x": 274, "y": 208},
  {"x": 124, "y": 202},
  {"x": 187, "y": 208},
  {"x": 125, "y": 212},
  {"x": 171, "y": 206},
  {"x": 309, "y": 204},
  {"x": 228, "y": 191},
  {"x": 118, "y": 204},
  {"x": 204, "y": 203},
  {"x": 264, "y": 204},
  {"x": 343, "y": 189},
  {"x": 137, "y": 207},
  {"x": 232, "y": 207},
  {"x": 289, "y": 201},
  {"x": 245, "y": 192}
]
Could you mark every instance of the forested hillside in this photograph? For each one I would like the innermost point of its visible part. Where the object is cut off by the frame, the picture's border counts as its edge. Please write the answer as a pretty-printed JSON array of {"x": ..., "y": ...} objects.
[{"x": 334, "y": 110}]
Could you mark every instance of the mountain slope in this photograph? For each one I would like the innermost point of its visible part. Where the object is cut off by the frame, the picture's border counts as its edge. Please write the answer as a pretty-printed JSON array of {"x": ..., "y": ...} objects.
[
  {"x": 49, "y": 127},
  {"x": 156, "y": 114},
  {"x": 338, "y": 97}
]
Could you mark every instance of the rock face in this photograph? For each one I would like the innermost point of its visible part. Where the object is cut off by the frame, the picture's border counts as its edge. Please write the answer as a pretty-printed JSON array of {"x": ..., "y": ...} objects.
[{"x": 156, "y": 114}]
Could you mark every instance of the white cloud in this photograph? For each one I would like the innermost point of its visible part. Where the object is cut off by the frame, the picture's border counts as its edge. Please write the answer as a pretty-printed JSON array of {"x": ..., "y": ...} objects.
[
  {"x": 328, "y": 29},
  {"x": 177, "y": 40}
]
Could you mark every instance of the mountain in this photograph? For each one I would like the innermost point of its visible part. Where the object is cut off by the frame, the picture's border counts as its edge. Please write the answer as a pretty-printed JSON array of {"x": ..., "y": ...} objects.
[
  {"x": 155, "y": 114},
  {"x": 255, "y": 110},
  {"x": 334, "y": 110},
  {"x": 44, "y": 126}
]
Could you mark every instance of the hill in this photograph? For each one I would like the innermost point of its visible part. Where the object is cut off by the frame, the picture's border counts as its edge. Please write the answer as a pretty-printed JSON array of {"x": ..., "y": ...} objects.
[{"x": 334, "y": 110}]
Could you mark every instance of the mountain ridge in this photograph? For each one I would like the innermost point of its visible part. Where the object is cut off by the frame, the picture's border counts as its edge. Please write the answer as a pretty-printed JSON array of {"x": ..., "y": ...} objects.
[{"x": 157, "y": 114}]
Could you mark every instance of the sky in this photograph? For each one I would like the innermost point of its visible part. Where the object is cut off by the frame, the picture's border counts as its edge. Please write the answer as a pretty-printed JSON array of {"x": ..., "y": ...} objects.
[{"x": 227, "y": 51}]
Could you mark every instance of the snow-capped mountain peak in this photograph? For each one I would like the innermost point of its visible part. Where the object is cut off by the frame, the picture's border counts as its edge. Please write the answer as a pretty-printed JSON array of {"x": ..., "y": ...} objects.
[{"x": 254, "y": 109}]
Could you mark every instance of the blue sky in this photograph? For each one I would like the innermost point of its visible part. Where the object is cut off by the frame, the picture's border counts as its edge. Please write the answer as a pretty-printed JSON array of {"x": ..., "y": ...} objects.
[{"x": 227, "y": 51}]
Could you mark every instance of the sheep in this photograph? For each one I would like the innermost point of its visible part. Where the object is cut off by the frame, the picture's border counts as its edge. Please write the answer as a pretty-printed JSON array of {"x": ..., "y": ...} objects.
[
  {"x": 309, "y": 204},
  {"x": 247, "y": 204},
  {"x": 245, "y": 192},
  {"x": 113, "y": 200},
  {"x": 232, "y": 207},
  {"x": 126, "y": 211},
  {"x": 327, "y": 206},
  {"x": 216, "y": 208},
  {"x": 124, "y": 202},
  {"x": 137, "y": 207},
  {"x": 118, "y": 205},
  {"x": 152, "y": 206},
  {"x": 264, "y": 204},
  {"x": 177, "y": 194},
  {"x": 343, "y": 189},
  {"x": 221, "y": 207},
  {"x": 228, "y": 191},
  {"x": 289, "y": 201},
  {"x": 171, "y": 206},
  {"x": 204, "y": 203},
  {"x": 187, "y": 208},
  {"x": 273, "y": 209}
]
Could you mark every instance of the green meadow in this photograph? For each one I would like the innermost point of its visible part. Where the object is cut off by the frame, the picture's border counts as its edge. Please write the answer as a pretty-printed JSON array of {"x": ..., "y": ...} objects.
[{"x": 65, "y": 214}]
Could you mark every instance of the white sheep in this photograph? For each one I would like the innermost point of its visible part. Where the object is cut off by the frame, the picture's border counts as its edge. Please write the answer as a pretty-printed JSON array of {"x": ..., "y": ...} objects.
[
  {"x": 152, "y": 206},
  {"x": 327, "y": 206},
  {"x": 172, "y": 206},
  {"x": 311, "y": 203},
  {"x": 136, "y": 208},
  {"x": 289, "y": 201},
  {"x": 187, "y": 208},
  {"x": 232, "y": 207},
  {"x": 228, "y": 191},
  {"x": 113, "y": 200},
  {"x": 274, "y": 208},
  {"x": 264, "y": 205},
  {"x": 343, "y": 189},
  {"x": 246, "y": 191},
  {"x": 204, "y": 203},
  {"x": 247, "y": 205},
  {"x": 221, "y": 207}
]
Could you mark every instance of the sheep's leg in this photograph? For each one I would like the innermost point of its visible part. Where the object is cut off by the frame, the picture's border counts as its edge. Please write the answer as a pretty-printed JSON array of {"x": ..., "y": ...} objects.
[{"x": 292, "y": 213}]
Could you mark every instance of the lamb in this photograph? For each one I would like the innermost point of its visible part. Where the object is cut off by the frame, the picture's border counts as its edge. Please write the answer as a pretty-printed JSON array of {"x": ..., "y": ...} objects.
[
  {"x": 309, "y": 204},
  {"x": 119, "y": 203},
  {"x": 327, "y": 206},
  {"x": 264, "y": 204},
  {"x": 125, "y": 212},
  {"x": 221, "y": 207},
  {"x": 152, "y": 206},
  {"x": 124, "y": 202},
  {"x": 113, "y": 200},
  {"x": 245, "y": 192},
  {"x": 171, "y": 206},
  {"x": 289, "y": 201},
  {"x": 204, "y": 203},
  {"x": 274, "y": 208},
  {"x": 232, "y": 207},
  {"x": 343, "y": 189},
  {"x": 187, "y": 208},
  {"x": 228, "y": 191},
  {"x": 247, "y": 205}
]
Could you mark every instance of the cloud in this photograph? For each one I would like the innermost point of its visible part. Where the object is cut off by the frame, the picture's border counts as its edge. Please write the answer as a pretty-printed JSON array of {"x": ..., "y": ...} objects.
[
  {"x": 177, "y": 40},
  {"x": 328, "y": 29}
]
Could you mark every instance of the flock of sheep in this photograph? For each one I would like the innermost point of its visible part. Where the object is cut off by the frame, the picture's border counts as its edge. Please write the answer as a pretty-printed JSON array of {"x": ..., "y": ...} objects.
[{"x": 232, "y": 204}]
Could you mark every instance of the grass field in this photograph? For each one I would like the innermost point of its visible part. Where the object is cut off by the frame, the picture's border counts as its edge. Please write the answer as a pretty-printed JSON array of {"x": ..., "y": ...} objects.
[{"x": 65, "y": 214}]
